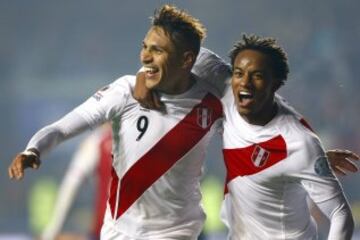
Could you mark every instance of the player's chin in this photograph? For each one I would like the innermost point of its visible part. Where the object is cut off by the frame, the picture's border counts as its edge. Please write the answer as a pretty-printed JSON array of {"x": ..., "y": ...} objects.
[
  {"x": 244, "y": 111},
  {"x": 151, "y": 83}
]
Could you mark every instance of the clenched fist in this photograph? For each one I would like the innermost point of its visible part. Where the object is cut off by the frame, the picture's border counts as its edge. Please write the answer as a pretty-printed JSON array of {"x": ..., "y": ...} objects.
[{"x": 28, "y": 159}]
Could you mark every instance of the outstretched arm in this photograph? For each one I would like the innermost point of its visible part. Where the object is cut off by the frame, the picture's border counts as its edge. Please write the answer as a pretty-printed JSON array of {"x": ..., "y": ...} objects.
[
  {"x": 101, "y": 107},
  {"x": 44, "y": 140}
]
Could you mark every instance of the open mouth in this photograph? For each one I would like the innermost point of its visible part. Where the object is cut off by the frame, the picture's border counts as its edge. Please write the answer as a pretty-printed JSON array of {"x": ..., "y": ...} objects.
[
  {"x": 245, "y": 98},
  {"x": 150, "y": 71}
]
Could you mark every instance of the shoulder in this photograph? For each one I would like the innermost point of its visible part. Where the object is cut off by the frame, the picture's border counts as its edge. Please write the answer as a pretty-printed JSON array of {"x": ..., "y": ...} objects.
[
  {"x": 290, "y": 116},
  {"x": 126, "y": 82},
  {"x": 286, "y": 107},
  {"x": 111, "y": 98},
  {"x": 293, "y": 124},
  {"x": 302, "y": 142},
  {"x": 208, "y": 61},
  {"x": 118, "y": 88},
  {"x": 204, "y": 86}
]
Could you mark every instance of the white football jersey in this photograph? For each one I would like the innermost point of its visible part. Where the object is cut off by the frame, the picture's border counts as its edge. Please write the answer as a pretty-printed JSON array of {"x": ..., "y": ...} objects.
[
  {"x": 271, "y": 170},
  {"x": 157, "y": 160}
]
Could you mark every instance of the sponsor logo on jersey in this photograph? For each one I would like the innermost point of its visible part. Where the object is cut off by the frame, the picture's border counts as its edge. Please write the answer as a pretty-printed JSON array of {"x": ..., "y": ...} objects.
[
  {"x": 259, "y": 156},
  {"x": 98, "y": 95},
  {"x": 143, "y": 109},
  {"x": 203, "y": 116}
]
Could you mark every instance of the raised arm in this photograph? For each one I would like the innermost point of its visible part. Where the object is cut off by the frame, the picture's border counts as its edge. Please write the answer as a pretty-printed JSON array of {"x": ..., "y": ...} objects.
[
  {"x": 101, "y": 107},
  {"x": 44, "y": 140},
  {"x": 213, "y": 69}
]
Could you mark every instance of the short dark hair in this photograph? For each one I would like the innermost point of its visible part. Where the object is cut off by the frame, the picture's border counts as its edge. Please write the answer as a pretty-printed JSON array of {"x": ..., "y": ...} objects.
[
  {"x": 184, "y": 30},
  {"x": 267, "y": 46}
]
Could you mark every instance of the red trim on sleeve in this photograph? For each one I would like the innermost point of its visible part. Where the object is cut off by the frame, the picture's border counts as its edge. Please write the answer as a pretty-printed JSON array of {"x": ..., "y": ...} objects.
[{"x": 306, "y": 124}]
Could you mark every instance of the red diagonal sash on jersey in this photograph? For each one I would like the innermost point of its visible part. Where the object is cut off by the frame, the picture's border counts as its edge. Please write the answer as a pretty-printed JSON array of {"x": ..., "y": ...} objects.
[
  {"x": 306, "y": 124},
  {"x": 167, "y": 151},
  {"x": 253, "y": 159}
]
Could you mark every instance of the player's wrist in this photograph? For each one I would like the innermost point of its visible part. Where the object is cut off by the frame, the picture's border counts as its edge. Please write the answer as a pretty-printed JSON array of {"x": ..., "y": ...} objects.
[{"x": 31, "y": 152}]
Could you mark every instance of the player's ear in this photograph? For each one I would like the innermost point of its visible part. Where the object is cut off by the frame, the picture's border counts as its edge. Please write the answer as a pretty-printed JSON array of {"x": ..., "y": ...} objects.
[{"x": 189, "y": 59}]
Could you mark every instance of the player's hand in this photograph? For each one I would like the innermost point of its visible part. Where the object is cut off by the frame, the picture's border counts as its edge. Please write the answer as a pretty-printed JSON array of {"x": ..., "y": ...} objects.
[
  {"x": 22, "y": 161},
  {"x": 342, "y": 161},
  {"x": 146, "y": 98}
]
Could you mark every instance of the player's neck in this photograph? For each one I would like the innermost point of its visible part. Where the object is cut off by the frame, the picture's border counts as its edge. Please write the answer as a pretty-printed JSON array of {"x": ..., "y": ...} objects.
[
  {"x": 264, "y": 116},
  {"x": 181, "y": 85}
]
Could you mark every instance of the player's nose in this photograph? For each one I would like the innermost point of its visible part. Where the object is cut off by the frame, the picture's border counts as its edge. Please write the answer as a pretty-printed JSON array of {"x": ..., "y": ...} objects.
[
  {"x": 145, "y": 56},
  {"x": 245, "y": 81}
]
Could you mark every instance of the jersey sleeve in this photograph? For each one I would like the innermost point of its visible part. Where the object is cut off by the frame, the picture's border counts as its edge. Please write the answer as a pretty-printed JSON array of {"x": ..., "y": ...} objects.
[
  {"x": 105, "y": 104},
  {"x": 325, "y": 190},
  {"x": 286, "y": 105},
  {"x": 213, "y": 69},
  {"x": 50, "y": 136}
]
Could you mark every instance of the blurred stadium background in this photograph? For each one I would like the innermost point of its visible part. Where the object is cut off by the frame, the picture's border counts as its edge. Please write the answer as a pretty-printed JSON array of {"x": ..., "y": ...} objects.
[{"x": 55, "y": 54}]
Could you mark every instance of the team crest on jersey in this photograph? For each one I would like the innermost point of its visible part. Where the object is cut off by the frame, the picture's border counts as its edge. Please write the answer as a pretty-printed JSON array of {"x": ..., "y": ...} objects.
[
  {"x": 260, "y": 156},
  {"x": 204, "y": 116}
]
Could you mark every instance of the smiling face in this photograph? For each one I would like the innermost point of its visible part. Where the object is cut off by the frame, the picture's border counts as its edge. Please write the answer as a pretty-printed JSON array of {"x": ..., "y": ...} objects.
[
  {"x": 162, "y": 63},
  {"x": 253, "y": 85}
]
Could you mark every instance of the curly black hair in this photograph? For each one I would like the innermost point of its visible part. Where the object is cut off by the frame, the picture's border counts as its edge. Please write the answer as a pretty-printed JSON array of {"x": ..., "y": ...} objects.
[{"x": 267, "y": 46}]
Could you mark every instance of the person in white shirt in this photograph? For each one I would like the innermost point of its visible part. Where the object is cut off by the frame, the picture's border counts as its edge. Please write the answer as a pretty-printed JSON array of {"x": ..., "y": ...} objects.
[
  {"x": 274, "y": 161},
  {"x": 282, "y": 217},
  {"x": 157, "y": 156}
]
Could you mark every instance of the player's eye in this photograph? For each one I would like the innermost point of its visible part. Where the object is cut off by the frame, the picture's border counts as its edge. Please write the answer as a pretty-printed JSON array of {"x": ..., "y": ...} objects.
[
  {"x": 237, "y": 73},
  {"x": 258, "y": 76},
  {"x": 157, "y": 50}
]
